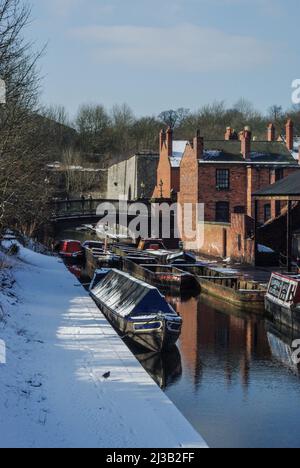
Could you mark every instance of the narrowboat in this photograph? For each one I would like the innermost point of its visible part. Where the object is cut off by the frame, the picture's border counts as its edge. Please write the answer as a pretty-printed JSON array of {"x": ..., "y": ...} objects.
[
  {"x": 151, "y": 244},
  {"x": 164, "y": 277},
  {"x": 138, "y": 311},
  {"x": 99, "y": 275},
  {"x": 96, "y": 258},
  {"x": 282, "y": 300},
  {"x": 230, "y": 286},
  {"x": 71, "y": 250},
  {"x": 179, "y": 258}
]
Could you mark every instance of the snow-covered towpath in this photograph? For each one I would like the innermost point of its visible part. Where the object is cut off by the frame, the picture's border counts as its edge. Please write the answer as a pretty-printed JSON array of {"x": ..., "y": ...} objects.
[{"x": 58, "y": 346}]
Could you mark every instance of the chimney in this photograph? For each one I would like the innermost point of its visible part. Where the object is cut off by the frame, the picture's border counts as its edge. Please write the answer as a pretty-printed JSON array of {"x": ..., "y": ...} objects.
[
  {"x": 198, "y": 145},
  {"x": 271, "y": 132},
  {"x": 162, "y": 138},
  {"x": 290, "y": 135},
  {"x": 169, "y": 141},
  {"x": 228, "y": 134},
  {"x": 246, "y": 143}
]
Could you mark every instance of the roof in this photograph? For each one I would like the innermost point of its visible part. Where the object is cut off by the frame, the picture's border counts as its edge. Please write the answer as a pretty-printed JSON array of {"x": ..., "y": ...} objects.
[
  {"x": 126, "y": 295},
  {"x": 262, "y": 152},
  {"x": 230, "y": 151},
  {"x": 178, "y": 151},
  {"x": 295, "y": 152},
  {"x": 288, "y": 187}
]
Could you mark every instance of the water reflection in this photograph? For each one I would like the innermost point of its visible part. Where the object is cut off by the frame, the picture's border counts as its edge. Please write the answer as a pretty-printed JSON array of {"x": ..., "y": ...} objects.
[
  {"x": 280, "y": 340},
  {"x": 239, "y": 386},
  {"x": 164, "y": 368},
  {"x": 231, "y": 338}
]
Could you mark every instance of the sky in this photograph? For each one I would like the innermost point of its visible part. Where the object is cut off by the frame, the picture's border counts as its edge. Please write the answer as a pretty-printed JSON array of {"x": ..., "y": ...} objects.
[{"x": 164, "y": 54}]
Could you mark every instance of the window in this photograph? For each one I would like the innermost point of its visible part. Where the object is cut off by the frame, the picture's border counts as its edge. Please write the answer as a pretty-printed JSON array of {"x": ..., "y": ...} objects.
[
  {"x": 278, "y": 207},
  {"x": 222, "y": 212},
  {"x": 279, "y": 174},
  {"x": 239, "y": 209},
  {"x": 267, "y": 212},
  {"x": 239, "y": 242},
  {"x": 222, "y": 179},
  {"x": 276, "y": 175}
]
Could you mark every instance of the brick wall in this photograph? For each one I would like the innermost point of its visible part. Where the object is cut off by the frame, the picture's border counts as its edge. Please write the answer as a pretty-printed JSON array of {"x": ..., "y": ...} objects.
[
  {"x": 210, "y": 195},
  {"x": 217, "y": 240},
  {"x": 189, "y": 180},
  {"x": 163, "y": 174}
]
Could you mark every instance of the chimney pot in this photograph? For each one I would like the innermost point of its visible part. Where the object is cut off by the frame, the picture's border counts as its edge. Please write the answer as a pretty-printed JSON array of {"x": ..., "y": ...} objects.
[
  {"x": 246, "y": 136},
  {"x": 271, "y": 132},
  {"x": 290, "y": 135},
  {"x": 228, "y": 133},
  {"x": 198, "y": 145},
  {"x": 169, "y": 141},
  {"x": 162, "y": 138}
]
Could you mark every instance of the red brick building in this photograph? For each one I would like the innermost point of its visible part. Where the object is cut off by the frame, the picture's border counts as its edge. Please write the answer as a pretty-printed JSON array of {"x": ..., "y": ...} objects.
[
  {"x": 168, "y": 172},
  {"x": 223, "y": 175}
]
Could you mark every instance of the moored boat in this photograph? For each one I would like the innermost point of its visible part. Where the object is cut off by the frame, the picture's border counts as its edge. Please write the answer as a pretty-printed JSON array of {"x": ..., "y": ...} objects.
[
  {"x": 97, "y": 258},
  {"x": 164, "y": 277},
  {"x": 138, "y": 311},
  {"x": 71, "y": 251},
  {"x": 282, "y": 300},
  {"x": 229, "y": 285}
]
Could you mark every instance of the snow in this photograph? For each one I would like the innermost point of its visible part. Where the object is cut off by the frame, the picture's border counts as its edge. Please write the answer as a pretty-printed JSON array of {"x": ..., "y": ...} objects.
[
  {"x": 212, "y": 154},
  {"x": 264, "y": 249},
  {"x": 58, "y": 347},
  {"x": 295, "y": 151},
  {"x": 178, "y": 151}
]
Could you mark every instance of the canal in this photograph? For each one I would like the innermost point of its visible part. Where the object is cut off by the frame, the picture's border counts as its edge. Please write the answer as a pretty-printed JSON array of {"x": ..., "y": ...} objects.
[
  {"x": 238, "y": 386},
  {"x": 231, "y": 375}
]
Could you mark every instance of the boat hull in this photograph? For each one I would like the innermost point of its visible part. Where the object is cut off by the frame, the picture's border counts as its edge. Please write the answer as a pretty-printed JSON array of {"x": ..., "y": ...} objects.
[
  {"x": 288, "y": 316},
  {"x": 155, "y": 340},
  {"x": 247, "y": 300},
  {"x": 165, "y": 278}
]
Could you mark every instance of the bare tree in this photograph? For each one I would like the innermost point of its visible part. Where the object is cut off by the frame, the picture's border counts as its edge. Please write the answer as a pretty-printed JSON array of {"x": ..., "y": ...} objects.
[
  {"x": 276, "y": 113},
  {"x": 174, "y": 118},
  {"x": 23, "y": 196}
]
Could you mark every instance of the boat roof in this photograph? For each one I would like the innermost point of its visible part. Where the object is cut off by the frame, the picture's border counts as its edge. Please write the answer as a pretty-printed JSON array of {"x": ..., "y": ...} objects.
[{"x": 128, "y": 296}]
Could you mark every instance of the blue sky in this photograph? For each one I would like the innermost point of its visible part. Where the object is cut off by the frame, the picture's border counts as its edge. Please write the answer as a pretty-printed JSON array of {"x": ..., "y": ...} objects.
[{"x": 161, "y": 54}]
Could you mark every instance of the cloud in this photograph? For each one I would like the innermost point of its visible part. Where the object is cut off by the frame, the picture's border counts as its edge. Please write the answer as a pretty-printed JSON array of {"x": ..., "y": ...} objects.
[
  {"x": 179, "y": 48},
  {"x": 64, "y": 8}
]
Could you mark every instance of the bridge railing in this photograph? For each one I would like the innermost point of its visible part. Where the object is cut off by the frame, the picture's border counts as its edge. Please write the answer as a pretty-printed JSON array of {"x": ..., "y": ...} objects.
[{"x": 78, "y": 206}]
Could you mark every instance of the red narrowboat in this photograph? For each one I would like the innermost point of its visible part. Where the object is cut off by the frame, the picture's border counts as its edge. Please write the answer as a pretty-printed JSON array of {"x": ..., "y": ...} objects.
[{"x": 71, "y": 250}]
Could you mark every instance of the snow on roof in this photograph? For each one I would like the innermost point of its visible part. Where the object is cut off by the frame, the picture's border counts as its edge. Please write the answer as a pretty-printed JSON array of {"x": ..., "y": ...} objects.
[
  {"x": 212, "y": 154},
  {"x": 295, "y": 151},
  {"x": 178, "y": 150}
]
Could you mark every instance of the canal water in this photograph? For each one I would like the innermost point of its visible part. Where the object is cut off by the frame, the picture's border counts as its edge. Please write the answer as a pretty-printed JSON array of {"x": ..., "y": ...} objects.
[
  {"x": 238, "y": 386},
  {"x": 231, "y": 376}
]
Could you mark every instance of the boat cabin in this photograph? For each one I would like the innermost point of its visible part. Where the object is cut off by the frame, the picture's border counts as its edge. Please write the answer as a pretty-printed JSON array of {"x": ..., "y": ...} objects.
[
  {"x": 284, "y": 290},
  {"x": 70, "y": 249},
  {"x": 151, "y": 244}
]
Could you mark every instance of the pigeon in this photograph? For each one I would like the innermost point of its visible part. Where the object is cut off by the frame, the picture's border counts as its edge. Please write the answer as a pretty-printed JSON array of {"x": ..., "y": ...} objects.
[{"x": 106, "y": 376}]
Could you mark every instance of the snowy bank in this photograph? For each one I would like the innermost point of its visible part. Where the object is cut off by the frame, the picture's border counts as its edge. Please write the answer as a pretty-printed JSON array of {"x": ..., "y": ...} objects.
[{"x": 58, "y": 347}]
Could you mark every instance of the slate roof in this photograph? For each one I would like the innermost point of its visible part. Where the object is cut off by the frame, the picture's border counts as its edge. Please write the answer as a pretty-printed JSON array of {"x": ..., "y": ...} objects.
[
  {"x": 262, "y": 152},
  {"x": 230, "y": 151},
  {"x": 289, "y": 187}
]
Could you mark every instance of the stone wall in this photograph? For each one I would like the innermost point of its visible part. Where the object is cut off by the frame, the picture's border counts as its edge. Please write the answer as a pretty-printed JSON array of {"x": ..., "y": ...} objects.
[{"x": 125, "y": 179}]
